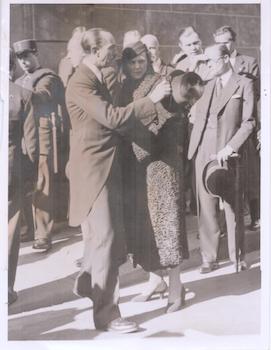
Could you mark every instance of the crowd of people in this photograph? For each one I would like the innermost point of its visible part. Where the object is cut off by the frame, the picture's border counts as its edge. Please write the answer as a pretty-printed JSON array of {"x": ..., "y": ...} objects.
[{"x": 125, "y": 144}]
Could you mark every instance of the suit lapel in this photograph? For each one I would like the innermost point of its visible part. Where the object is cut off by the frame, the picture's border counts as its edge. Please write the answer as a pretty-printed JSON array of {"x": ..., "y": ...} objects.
[
  {"x": 227, "y": 92},
  {"x": 207, "y": 98}
]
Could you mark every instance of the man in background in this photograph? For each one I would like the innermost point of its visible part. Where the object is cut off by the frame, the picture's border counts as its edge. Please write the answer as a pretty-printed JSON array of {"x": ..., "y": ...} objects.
[{"x": 48, "y": 100}]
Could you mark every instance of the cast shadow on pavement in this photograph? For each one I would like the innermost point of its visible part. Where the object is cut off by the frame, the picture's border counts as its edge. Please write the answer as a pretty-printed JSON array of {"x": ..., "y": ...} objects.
[
  {"x": 225, "y": 285},
  {"x": 44, "y": 295},
  {"x": 36, "y": 326},
  {"x": 58, "y": 242}
]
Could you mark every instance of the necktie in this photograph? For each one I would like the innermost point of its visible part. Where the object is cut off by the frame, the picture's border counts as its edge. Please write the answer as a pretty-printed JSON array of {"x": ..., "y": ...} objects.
[{"x": 219, "y": 87}]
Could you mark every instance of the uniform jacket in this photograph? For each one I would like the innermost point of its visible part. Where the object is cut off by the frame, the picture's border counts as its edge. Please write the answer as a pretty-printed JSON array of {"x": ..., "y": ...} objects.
[
  {"x": 96, "y": 127},
  {"x": 48, "y": 94},
  {"x": 235, "y": 117},
  {"x": 22, "y": 126}
]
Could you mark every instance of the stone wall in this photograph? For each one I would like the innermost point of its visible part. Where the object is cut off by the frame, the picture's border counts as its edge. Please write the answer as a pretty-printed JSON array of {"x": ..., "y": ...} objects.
[{"x": 51, "y": 25}]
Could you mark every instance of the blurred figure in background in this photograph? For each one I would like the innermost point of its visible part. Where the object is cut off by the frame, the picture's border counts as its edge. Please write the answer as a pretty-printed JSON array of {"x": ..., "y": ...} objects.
[
  {"x": 152, "y": 44},
  {"x": 74, "y": 55},
  {"x": 130, "y": 37}
]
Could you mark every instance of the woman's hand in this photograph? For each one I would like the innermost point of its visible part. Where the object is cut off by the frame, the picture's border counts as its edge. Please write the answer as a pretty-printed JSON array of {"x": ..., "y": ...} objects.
[{"x": 162, "y": 90}]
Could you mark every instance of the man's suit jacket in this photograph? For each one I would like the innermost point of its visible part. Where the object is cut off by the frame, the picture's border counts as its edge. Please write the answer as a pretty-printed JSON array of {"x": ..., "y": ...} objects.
[
  {"x": 202, "y": 69},
  {"x": 235, "y": 118},
  {"x": 247, "y": 66},
  {"x": 96, "y": 128}
]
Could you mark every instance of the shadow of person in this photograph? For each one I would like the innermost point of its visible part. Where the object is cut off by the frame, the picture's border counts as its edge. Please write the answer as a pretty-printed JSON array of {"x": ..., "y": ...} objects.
[
  {"x": 38, "y": 326},
  {"x": 44, "y": 295},
  {"x": 58, "y": 244},
  {"x": 226, "y": 285}
]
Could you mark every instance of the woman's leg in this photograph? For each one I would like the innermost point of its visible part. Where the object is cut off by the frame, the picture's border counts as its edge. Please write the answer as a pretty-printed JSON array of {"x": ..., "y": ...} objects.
[{"x": 175, "y": 284}]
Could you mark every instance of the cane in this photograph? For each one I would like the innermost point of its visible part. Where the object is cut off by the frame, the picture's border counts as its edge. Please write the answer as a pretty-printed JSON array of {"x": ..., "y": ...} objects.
[
  {"x": 54, "y": 131},
  {"x": 238, "y": 208}
]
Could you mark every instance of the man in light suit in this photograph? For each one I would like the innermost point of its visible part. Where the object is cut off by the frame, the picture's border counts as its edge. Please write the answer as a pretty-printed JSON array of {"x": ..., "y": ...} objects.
[
  {"x": 224, "y": 119},
  {"x": 95, "y": 175},
  {"x": 246, "y": 66}
]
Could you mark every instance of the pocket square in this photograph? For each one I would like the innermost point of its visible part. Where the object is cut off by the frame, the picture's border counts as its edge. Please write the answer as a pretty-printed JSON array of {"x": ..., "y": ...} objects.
[{"x": 236, "y": 96}]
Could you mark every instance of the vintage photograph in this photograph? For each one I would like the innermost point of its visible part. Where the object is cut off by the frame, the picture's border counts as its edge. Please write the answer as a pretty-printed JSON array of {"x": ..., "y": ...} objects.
[{"x": 134, "y": 154}]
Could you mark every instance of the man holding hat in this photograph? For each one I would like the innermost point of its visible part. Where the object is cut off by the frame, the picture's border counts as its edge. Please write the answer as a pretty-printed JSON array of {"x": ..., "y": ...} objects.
[
  {"x": 224, "y": 120},
  {"x": 247, "y": 66},
  {"x": 48, "y": 97}
]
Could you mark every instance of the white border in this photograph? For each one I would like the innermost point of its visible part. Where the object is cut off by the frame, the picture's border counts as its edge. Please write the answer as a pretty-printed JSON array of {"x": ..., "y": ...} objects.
[{"x": 243, "y": 342}]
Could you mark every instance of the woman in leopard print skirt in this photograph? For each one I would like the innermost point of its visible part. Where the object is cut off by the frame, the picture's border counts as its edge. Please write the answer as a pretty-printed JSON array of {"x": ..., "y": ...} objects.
[{"x": 154, "y": 183}]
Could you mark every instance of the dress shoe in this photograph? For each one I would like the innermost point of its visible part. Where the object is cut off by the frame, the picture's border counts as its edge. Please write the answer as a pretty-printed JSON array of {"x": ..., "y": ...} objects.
[
  {"x": 177, "y": 304},
  {"x": 242, "y": 266},
  {"x": 42, "y": 244},
  {"x": 255, "y": 225},
  {"x": 207, "y": 267},
  {"x": 12, "y": 297},
  {"x": 82, "y": 285},
  {"x": 159, "y": 289},
  {"x": 122, "y": 325}
]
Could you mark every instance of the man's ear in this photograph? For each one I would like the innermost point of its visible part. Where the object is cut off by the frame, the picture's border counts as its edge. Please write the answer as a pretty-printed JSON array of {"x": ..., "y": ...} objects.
[{"x": 227, "y": 58}]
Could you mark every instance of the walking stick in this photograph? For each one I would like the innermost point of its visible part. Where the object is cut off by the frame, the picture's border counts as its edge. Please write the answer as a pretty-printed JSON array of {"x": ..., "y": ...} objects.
[
  {"x": 54, "y": 130},
  {"x": 238, "y": 209}
]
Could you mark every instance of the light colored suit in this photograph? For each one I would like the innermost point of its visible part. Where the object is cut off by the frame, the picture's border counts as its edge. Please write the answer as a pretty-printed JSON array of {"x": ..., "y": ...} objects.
[
  {"x": 95, "y": 184},
  {"x": 227, "y": 120}
]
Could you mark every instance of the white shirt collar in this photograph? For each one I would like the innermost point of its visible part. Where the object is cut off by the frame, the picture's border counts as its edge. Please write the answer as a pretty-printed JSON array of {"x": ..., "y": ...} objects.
[
  {"x": 95, "y": 70},
  {"x": 234, "y": 53},
  {"x": 225, "y": 77}
]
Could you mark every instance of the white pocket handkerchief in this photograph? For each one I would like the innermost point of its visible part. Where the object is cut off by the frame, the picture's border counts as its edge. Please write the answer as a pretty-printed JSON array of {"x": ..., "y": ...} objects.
[{"x": 236, "y": 96}]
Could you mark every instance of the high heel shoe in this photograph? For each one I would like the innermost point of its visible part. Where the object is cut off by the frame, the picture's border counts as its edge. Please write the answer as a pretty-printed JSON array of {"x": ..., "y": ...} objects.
[
  {"x": 159, "y": 289},
  {"x": 177, "y": 304}
]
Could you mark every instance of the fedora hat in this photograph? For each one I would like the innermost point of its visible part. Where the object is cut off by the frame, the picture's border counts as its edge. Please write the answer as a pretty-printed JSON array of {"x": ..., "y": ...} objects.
[{"x": 219, "y": 180}]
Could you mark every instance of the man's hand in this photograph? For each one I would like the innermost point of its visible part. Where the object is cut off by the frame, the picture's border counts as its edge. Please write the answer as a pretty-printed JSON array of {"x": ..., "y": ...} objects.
[
  {"x": 224, "y": 154},
  {"x": 162, "y": 90}
]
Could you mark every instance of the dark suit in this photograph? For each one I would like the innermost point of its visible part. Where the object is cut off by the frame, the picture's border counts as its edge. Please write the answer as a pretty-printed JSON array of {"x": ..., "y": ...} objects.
[
  {"x": 22, "y": 129},
  {"x": 95, "y": 183},
  {"x": 220, "y": 121}
]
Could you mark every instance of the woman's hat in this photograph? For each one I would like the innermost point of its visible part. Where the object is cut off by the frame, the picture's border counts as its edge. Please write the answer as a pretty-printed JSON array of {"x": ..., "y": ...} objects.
[{"x": 133, "y": 50}]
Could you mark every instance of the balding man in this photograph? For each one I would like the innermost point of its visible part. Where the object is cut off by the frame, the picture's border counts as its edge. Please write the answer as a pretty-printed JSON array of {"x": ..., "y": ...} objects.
[
  {"x": 153, "y": 46},
  {"x": 96, "y": 201},
  {"x": 224, "y": 120}
]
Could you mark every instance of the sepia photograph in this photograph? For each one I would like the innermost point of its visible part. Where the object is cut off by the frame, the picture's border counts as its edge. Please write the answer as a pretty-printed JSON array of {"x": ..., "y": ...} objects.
[{"x": 133, "y": 140}]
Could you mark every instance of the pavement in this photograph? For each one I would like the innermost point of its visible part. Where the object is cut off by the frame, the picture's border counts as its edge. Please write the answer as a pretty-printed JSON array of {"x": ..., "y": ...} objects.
[{"x": 221, "y": 305}]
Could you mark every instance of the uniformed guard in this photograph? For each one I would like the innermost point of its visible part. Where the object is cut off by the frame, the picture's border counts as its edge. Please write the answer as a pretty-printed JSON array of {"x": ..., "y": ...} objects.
[
  {"x": 22, "y": 132},
  {"x": 48, "y": 101}
]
